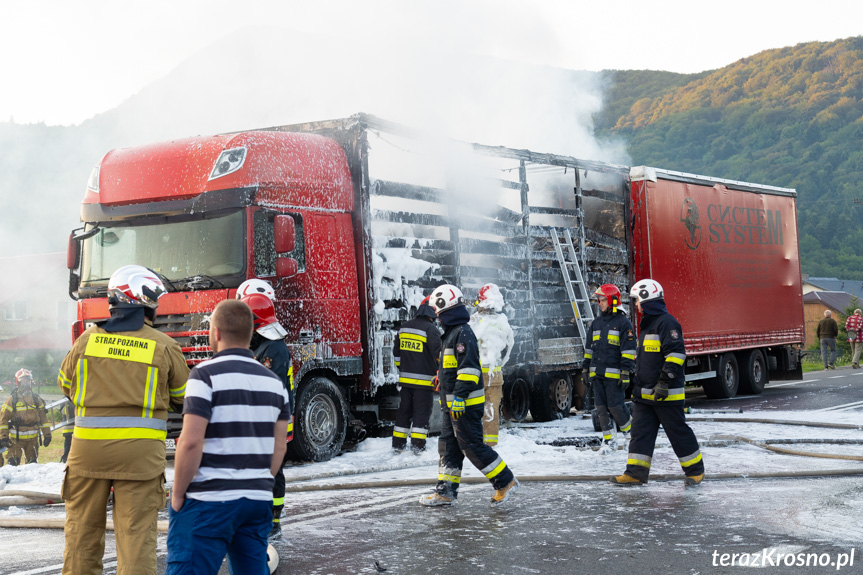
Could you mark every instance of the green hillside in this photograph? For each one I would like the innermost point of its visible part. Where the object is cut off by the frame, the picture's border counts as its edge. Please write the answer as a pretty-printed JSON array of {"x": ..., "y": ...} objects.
[{"x": 790, "y": 117}]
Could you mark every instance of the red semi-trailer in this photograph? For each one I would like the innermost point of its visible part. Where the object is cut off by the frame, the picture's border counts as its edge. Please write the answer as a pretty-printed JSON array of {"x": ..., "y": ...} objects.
[
  {"x": 727, "y": 255},
  {"x": 354, "y": 221}
]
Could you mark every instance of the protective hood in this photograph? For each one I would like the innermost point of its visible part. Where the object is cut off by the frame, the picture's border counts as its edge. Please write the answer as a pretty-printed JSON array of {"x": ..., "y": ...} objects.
[
  {"x": 454, "y": 316},
  {"x": 425, "y": 310},
  {"x": 654, "y": 307},
  {"x": 125, "y": 317}
]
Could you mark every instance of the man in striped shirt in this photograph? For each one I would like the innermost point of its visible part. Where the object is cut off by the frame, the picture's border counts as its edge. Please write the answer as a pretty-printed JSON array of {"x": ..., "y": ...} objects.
[{"x": 235, "y": 421}]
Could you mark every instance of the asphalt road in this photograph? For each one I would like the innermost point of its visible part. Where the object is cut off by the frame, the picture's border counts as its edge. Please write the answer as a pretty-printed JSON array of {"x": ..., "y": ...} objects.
[{"x": 563, "y": 528}]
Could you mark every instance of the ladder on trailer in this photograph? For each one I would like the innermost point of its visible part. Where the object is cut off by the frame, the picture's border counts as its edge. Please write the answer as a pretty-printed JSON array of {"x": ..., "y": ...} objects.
[{"x": 576, "y": 288}]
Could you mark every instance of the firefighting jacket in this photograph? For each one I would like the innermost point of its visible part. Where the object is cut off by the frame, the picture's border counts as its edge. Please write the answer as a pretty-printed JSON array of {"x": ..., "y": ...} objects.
[
  {"x": 122, "y": 384},
  {"x": 460, "y": 373},
  {"x": 661, "y": 356},
  {"x": 610, "y": 349},
  {"x": 416, "y": 352},
  {"x": 22, "y": 416},
  {"x": 275, "y": 356}
]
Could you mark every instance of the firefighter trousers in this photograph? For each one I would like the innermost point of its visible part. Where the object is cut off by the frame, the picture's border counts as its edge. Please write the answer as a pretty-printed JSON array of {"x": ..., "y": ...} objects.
[
  {"x": 136, "y": 508},
  {"x": 493, "y": 384},
  {"x": 413, "y": 417},
  {"x": 29, "y": 447},
  {"x": 463, "y": 438},
  {"x": 279, "y": 493},
  {"x": 646, "y": 419},
  {"x": 610, "y": 403}
]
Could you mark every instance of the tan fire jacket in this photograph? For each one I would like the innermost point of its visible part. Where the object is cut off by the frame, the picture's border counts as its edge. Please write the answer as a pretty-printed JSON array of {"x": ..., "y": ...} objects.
[
  {"x": 122, "y": 385},
  {"x": 22, "y": 416}
]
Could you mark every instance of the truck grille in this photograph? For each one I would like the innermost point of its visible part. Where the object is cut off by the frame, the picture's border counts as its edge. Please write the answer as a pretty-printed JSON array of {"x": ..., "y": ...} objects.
[{"x": 191, "y": 331}]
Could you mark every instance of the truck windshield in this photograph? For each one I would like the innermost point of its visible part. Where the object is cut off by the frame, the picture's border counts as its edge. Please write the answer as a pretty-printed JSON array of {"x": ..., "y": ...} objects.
[{"x": 178, "y": 250}]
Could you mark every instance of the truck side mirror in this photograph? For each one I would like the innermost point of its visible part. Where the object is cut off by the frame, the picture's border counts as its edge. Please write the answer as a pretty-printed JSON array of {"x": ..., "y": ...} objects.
[
  {"x": 285, "y": 235},
  {"x": 73, "y": 252},
  {"x": 286, "y": 267}
]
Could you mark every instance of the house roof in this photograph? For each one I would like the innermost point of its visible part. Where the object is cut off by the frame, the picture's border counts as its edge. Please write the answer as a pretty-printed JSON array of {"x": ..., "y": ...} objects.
[
  {"x": 837, "y": 301},
  {"x": 853, "y": 287},
  {"x": 48, "y": 340}
]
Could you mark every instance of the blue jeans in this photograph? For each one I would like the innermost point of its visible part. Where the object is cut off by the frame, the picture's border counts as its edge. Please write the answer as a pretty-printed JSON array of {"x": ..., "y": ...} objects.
[
  {"x": 202, "y": 532},
  {"x": 828, "y": 358}
]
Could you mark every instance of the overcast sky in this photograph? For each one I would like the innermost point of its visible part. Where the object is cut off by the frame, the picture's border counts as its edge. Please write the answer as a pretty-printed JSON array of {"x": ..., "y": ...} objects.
[{"x": 67, "y": 61}]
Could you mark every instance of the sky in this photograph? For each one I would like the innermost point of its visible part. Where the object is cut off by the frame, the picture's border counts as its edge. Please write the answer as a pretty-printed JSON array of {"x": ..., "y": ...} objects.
[{"x": 68, "y": 61}]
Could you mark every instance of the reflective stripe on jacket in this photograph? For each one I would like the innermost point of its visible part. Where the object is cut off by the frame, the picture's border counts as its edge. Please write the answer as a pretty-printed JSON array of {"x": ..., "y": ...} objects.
[
  {"x": 660, "y": 350},
  {"x": 416, "y": 352},
  {"x": 460, "y": 373},
  {"x": 611, "y": 345}
]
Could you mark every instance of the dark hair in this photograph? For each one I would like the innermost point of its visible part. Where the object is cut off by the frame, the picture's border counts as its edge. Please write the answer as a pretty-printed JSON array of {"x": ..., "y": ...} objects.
[{"x": 234, "y": 318}]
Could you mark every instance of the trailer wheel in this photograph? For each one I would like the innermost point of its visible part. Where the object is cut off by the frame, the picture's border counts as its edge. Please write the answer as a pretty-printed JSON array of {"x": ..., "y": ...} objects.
[
  {"x": 753, "y": 372},
  {"x": 320, "y": 421},
  {"x": 516, "y": 400},
  {"x": 727, "y": 379},
  {"x": 552, "y": 398}
]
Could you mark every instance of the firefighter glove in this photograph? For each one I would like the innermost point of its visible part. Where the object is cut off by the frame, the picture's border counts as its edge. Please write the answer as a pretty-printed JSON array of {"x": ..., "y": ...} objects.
[
  {"x": 5, "y": 442},
  {"x": 46, "y": 439},
  {"x": 457, "y": 408},
  {"x": 660, "y": 392},
  {"x": 623, "y": 383}
]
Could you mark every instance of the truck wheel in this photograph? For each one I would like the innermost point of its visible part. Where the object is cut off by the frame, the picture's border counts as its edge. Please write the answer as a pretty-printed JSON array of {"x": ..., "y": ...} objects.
[
  {"x": 727, "y": 379},
  {"x": 320, "y": 421},
  {"x": 753, "y": 372},
  {"x": 516, "y": 400},
  {"x": 552, "y": 398}
]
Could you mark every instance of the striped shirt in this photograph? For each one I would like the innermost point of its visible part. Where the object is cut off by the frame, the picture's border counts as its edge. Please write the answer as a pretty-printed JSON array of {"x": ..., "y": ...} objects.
[{"x": 242, "y": 401}]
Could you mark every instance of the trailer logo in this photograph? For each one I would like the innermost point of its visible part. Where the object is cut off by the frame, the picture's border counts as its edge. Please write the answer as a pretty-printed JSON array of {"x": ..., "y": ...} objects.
[{"x": 689, "y": 218}]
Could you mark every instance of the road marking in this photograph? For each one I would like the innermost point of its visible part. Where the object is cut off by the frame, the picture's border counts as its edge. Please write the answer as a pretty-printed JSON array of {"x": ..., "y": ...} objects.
[
  {"x": 836, "y": 376},
  {"x": 771, "y": 385},
  {"x": 842, "y": 407}
]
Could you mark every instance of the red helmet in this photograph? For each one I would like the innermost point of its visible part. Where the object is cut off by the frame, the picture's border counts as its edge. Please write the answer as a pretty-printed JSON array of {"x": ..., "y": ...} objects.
[
  {"x": 610, "y": 292},
  {"x": 264, "y": 311},
  {"x": 23, "y": 374}
]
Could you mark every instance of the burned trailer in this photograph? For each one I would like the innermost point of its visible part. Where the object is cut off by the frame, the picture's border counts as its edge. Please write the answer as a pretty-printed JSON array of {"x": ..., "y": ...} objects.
[{"x": 429, "y": 212}]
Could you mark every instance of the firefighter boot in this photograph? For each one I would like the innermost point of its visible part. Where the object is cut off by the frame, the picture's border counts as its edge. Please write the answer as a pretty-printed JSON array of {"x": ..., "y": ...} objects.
[
  {"x": 608, "y": 446},
  {"x": 275, "y": 533},
  {"x": 444, "y": 494},
  {"x": 14, "y": 461},
  {"x": 626, "y": 480},
  {"x": 693, "y": 480},
  {"x": 501, "y": 495}
]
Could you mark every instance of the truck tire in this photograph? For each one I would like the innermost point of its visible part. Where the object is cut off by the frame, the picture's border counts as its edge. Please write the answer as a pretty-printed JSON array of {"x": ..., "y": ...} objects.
[
  {"x": 753, "y": 372},
  {"x": 727, "y": 379},
  {"x": 516, "y": 400},
  {"x": 552, "y": 398},
  {"x": 320, "y": 421}
]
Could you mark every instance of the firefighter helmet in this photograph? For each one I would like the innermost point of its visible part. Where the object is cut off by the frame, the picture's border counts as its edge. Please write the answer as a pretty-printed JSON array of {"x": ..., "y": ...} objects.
[
  {"x": 264, "y": 311},
  {"x": 136, "y": 286},
  {"x": 646, "y": 290},
  {"x": 489, "y": 297},
  {"x": 255, "y": 285},
  {"x": 425, "y": 309},
  {"x": 609, "y": 292},
  {"x": 445, "y": 297},
  {"x": 23, "y": 374}
]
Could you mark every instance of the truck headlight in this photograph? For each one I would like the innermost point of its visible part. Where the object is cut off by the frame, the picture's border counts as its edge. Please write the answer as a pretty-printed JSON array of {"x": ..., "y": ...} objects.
[{"x": 229, "y": 161}]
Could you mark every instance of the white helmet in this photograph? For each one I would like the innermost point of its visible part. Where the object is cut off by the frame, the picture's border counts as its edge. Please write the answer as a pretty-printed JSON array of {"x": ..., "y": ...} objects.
[
  {"x": 135, "y": 285},
  {"x": 445, "y": 297},
  {"x": 646, "y": 290},
  {"x": 255, "y": 285}
]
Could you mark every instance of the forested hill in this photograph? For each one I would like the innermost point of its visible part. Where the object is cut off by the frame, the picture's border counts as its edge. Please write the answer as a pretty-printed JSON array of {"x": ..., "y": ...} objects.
[{"x": 790, "y": 117}]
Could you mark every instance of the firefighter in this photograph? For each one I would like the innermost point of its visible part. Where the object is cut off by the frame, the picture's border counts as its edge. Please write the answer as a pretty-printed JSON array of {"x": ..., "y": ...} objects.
[
  {"x": 416, "y": 352},
  {"x": 495, "y": 338},
  {"x": 658, "y": 393},
  {"x": 268, "y": 345},
  {"x": 123, "y": 376},
  {"x": 608, "y": 360},
  {"x": 461, "y": 400},
  {"x": 23, "y": 422}
]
